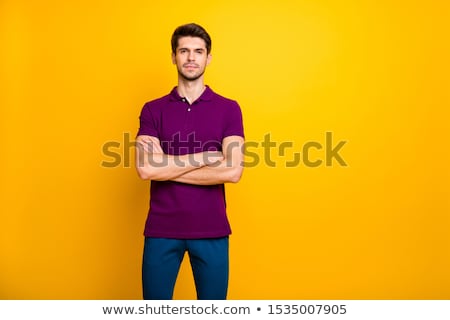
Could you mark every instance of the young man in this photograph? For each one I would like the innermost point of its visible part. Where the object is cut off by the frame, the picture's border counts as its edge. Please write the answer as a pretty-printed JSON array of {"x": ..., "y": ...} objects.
[{"x": 189, "y": 144}]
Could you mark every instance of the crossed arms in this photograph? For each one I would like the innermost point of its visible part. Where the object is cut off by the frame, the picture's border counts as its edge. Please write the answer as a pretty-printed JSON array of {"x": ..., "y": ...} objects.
[{"x": 203, "y": 168}]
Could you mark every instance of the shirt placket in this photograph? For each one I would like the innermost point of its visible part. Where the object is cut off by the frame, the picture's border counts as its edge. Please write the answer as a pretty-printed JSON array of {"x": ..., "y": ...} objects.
[{"x": 189, "y": 115}]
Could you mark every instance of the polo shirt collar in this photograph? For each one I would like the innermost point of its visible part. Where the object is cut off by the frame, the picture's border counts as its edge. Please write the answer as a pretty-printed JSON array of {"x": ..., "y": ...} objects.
[{"x": 205, "y": 96}]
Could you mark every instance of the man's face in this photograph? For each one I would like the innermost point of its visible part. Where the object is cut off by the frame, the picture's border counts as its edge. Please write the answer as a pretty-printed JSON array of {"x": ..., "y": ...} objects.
[{"x": 191, "y": 58}]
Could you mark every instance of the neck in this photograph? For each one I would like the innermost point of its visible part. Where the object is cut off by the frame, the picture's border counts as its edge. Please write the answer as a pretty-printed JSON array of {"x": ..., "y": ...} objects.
[{"x": 191, "y": 90}]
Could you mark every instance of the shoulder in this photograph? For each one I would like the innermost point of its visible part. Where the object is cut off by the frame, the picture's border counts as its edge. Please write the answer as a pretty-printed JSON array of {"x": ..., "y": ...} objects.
[
  {"x": 224, "y": 101},
  {"x": 157, "y": 103}
]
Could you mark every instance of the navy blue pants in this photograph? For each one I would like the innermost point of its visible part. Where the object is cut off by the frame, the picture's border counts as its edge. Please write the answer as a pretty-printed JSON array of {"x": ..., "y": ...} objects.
[{"x": 162, "y": 259}]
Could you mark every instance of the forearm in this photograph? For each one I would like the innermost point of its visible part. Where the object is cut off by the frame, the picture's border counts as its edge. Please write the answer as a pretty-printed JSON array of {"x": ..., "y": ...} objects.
[
  {"x": 160, "y": 166},
  {"x": 210, "y": 175}
]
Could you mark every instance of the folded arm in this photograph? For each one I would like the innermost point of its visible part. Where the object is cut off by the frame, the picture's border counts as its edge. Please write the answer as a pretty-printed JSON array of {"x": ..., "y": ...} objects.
[
  {"x": 153, "y": 164},
  {"x": 203, "y": 168}
]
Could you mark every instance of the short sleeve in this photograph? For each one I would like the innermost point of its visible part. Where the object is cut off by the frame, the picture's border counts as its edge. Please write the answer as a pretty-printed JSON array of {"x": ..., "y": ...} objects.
[
  {"x": 147, "y": 124},
  {"x": 234, "y": 124}
]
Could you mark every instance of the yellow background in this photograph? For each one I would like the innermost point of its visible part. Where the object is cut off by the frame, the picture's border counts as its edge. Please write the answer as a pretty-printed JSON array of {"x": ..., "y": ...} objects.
[{"x": 75, "y": 74}]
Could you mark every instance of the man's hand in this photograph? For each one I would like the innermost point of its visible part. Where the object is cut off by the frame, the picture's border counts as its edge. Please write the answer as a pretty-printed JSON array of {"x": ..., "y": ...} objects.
[{"x": 149, "y": 144}]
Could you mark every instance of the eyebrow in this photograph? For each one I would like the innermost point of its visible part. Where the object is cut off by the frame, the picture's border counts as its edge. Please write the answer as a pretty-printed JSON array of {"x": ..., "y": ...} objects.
[{"x": 195, "y": 49}]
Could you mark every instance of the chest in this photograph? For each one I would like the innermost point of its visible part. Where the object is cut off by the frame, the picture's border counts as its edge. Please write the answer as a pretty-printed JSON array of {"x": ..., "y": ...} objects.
[{"x": 185, "y": 128}]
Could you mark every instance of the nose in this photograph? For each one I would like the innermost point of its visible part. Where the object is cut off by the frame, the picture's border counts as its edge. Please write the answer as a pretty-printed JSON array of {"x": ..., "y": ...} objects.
[{"x": 191, "y": 56}]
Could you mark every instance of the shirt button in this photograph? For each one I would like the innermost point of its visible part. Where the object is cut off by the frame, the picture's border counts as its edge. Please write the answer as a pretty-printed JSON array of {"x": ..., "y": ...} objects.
[
  {"x": 189, "y": 109},
  {"x": 184, "y": 100}
]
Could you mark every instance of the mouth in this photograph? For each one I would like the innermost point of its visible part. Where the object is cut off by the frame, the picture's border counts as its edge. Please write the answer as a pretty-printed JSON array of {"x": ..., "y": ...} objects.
[{"x": 190, "y": 66}]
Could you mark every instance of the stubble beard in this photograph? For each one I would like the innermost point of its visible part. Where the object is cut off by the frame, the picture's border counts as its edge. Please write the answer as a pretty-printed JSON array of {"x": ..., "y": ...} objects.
[{"x": 190, "y": 78}]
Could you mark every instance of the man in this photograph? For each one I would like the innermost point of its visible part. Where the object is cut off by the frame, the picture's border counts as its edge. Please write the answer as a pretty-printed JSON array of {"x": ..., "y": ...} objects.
[{"x": 189, "y": 144}]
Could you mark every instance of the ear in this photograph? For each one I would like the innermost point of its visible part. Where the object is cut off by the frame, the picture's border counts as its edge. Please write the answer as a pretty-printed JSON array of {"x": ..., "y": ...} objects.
[
  {"x": 208, "y": 59},
  {"x": 173, "y": 58}
]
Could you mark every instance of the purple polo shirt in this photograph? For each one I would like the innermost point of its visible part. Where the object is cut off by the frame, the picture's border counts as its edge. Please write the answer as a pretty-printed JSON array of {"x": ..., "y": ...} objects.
[{"x": 179, "y": 210}]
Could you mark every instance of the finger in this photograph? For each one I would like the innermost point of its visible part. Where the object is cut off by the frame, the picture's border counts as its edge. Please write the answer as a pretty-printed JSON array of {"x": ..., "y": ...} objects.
[{"x": 157, "y": 147}]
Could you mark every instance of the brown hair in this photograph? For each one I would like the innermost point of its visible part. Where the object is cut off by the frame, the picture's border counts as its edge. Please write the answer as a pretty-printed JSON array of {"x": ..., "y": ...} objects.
[{"x": 190, "y": 30}]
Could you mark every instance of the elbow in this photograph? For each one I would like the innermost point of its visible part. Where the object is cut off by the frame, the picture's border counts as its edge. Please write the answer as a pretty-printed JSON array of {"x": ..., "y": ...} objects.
[
  {"x": 235, "y": 176},
  {"x": 145, "y": 172},
  {"x": 142, "y": 169},
  {"x": 143, "y": 175},
  {"x": 148, "y": 173}
]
